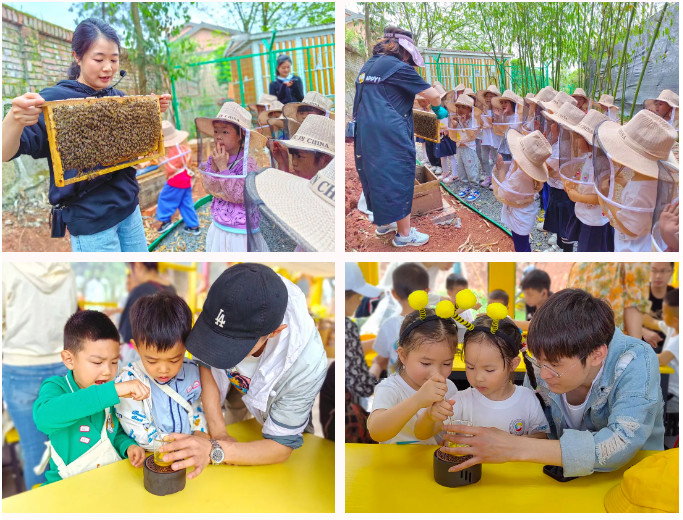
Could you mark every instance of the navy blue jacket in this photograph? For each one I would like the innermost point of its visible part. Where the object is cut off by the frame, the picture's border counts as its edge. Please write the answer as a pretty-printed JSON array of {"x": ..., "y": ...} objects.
[
  {"x": 285, "y": 94},
  {"x": 91, "y": 206}
]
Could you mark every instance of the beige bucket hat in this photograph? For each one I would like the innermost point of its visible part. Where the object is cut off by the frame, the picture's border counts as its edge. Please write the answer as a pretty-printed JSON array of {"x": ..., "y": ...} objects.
[
  {"x": 273, "y": 111},
  {"x": 439, "y": 88},
  {"x": 481, "y": 93},
  {"x": 567, "y": 115},
  {"x": 508, "y": 95},
  {"x": 311, "y": 99},
  {"x": 554, "y": 105},
  {"x": 608, "y": 101},
  {"x": 586, "y": 127},
  {"x": 580, "y": 93},
  {"x": 231, "y": 112},
  {"x": 263, "y": 102},
  {"x": 640, "y": 143},
  {"x": 316, "y": 134},
  {"x": 530, "y": 151},
  {"x": 469, "y": 92},
  {"x": 545, "y": 95},
  {"x": 172, "y": 136},
  {"x": 306, "y": 207},
  {"x": 667, "y": 96}
]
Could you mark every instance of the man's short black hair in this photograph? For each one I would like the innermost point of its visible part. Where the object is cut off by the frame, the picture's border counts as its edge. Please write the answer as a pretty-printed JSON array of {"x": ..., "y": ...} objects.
[
  {"x": 671, "y": 298},
  {"x": 88, "y": 326},
  {"x": 409, "y": 277},
  {"x": 500, "y": 295},
  {"x": 571, "y": 323},
  {"x": 160, "y": 321},
  {"x": 537, "y": 280},
  {"x": 454, "y": 280}
]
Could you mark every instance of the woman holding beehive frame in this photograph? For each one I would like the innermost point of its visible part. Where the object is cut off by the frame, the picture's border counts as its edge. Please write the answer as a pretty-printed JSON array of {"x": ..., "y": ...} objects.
[
  {"x": 102, "y": 214},
  {"x": 384, "y": 143}
]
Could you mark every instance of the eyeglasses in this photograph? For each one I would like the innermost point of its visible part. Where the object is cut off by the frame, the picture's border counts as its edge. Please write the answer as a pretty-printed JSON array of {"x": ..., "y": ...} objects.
[
  {"x": 657, "y": 272},
  {"x": 536, "y": 364}
]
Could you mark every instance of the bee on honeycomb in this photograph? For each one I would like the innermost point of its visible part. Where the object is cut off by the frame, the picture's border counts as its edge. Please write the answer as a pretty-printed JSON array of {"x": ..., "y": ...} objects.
[{"x": 105, "y": 133}]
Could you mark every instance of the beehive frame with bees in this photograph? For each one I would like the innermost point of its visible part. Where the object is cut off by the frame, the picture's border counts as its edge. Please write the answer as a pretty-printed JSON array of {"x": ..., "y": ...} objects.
[
  {"x": 426, "y": 125},
  {"x": 96, "y": 136}
]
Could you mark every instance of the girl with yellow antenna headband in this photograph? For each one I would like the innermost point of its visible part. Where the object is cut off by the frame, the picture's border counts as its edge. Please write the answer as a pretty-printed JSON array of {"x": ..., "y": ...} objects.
[
  {"x": 491, "y": 351},
  {"x": 427, "y": 343}
]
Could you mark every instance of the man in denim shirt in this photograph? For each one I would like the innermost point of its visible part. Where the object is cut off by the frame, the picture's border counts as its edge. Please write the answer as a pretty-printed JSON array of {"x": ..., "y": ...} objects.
[{"x": 602, "y": 387}]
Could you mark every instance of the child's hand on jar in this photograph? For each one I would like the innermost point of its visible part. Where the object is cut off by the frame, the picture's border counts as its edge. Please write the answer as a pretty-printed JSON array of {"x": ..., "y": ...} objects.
[
  {"x": 220, "y": 158},
  {"x": 433, "y": 390},
  {"x": 441, "y": 410}
]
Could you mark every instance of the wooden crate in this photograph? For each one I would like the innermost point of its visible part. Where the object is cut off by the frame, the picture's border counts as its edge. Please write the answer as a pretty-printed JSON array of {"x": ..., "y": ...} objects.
[
  {"x": 48, "y": 112},
  {"x": 151, "y": 184},
  {"x": 427, "y": 195}
]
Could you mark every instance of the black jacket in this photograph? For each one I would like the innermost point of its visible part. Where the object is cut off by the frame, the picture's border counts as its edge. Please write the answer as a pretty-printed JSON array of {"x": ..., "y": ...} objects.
[
  {"x": 91, "y": 206},
  {"x": 284, "y": 94}
]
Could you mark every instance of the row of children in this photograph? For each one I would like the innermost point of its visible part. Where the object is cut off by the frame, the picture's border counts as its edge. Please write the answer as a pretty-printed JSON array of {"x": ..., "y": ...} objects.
[
  {"x": 596, "y": 181},
  {"x": 97, "y": 414},
  {"x": 576, "y": 389},
  {"x": 229, "y": 148}
]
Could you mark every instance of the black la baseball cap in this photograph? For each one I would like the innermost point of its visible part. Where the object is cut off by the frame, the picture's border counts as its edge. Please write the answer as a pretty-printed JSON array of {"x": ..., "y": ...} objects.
[{"x": 246, "y": 302}]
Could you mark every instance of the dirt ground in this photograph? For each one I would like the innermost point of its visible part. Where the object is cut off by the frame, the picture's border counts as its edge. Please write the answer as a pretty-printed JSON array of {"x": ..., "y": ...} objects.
[
  {"x": 26, "y": 227},
  {"x": 475, "y": 231}
]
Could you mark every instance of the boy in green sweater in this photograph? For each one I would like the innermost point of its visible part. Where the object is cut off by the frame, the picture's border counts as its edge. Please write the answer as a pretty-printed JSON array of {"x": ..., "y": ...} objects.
[{"x": 76, "y": 411}]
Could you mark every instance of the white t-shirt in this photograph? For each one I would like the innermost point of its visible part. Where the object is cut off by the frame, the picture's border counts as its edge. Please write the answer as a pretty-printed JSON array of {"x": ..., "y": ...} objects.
[
  {"x": 671, "y": 345},
  {"x": 386, "y": 343},
  {"x": 393, "y": 390},
  {"x": 519, "y": 414},
  {"x": 573, "y": 413}
]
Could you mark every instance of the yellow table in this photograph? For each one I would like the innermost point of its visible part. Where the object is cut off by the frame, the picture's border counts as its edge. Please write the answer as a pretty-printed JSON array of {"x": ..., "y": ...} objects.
[
  {"x": 305, "y": 483},
  {"x": 387, "y": 478}
]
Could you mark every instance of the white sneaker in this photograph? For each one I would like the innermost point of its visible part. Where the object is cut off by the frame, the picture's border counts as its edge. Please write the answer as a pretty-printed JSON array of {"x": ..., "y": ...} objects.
[
  {"x": 437, "y": 169},
  {"x": 552, "y": 241},
  {"x": 383, "y": 230},
  {"x": 415, "y": 238}
]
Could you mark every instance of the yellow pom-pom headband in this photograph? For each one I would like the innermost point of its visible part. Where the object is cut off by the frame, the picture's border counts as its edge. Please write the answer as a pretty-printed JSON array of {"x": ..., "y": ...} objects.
[
  {"x": 497, "y": 312},
  {"x": 444, "y": 310}
]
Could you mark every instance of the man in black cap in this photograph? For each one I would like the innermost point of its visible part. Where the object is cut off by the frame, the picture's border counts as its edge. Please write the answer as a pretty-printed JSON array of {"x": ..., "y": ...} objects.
[{"x": 254, "y": 333}]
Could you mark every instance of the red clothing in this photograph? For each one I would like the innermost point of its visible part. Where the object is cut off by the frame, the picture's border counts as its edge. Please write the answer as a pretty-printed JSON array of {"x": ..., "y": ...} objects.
[{"x": 177, "y": 158}]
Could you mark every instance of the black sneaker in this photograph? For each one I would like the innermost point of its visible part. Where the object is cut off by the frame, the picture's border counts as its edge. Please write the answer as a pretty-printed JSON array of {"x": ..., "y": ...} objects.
[
  {"x": 192, "y": 230},
  {"x": 164, "y": 226}
]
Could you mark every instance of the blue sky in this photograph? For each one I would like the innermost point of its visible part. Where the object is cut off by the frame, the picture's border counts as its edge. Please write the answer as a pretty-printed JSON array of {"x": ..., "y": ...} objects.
[{"x": 58, "y": 12}]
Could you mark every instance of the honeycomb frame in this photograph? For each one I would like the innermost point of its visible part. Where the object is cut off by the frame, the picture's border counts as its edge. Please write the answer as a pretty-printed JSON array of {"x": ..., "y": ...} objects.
[
  {"x": 57, "y": 166},
  {"x": 423, "y": 120}
]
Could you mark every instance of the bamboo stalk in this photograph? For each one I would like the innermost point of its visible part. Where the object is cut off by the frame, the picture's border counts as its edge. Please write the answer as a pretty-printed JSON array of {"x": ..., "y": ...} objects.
[
  {"x": 647, "y": 59},
  {"x": 623, "y": 55}
]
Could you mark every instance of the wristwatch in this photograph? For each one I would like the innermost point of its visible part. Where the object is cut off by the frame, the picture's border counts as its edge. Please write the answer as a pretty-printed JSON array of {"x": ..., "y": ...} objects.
[{"x": 217, "y": 455}]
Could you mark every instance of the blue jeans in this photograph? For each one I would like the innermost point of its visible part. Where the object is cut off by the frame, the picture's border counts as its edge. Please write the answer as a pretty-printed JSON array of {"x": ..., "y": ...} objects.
[
  {"x": 127, "y": 235},
  {"x": 20, "y": 386},
  {"x": 171, "y": 199}
]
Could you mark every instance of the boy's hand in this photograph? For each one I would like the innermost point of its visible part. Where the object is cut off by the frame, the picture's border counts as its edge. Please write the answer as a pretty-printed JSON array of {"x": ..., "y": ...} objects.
[
  {"x": 136, "y": 455},
  {"x": 133, "y": 389},
  {"x": 433, "y": 390},
  {"x": 441, "y": 410}
]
